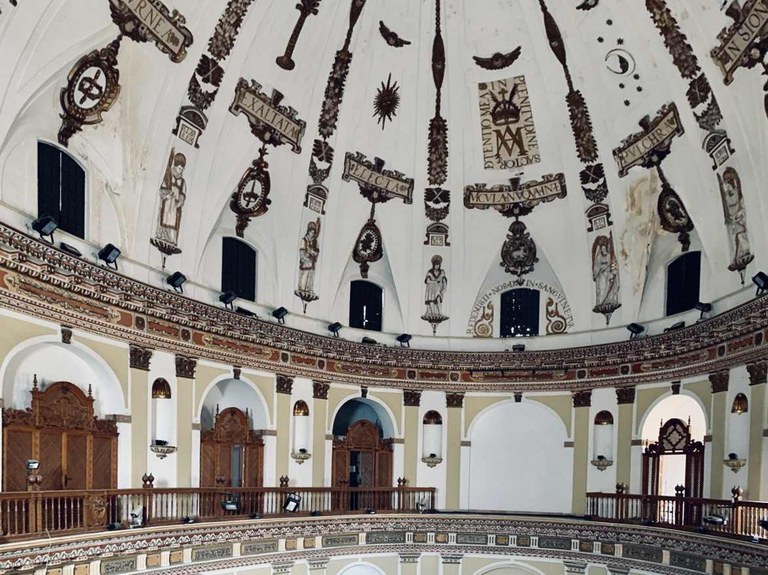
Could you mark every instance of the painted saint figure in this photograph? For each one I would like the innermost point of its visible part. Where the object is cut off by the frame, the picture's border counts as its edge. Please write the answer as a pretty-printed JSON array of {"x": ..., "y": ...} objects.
[
  {"x": 309, "y": 250},
  {"x": 173, "y": 193},
  {"x": 735, "y": 220},
  {"x": 436, "y": 282},
  {"x": 605, "y": 274}
]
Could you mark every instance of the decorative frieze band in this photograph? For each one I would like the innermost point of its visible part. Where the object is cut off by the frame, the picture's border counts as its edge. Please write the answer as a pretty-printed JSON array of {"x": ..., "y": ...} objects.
[
  {"x": 719, "y": 380},
  {"x": 411, "y": 398},
  {"x": 185, "y": 367},
  {"x": 140, "y": 357},
  {"x": 283, "y": 384},
  {"x": 758, "y": 372},
  {"x": 582, "y": 398}
]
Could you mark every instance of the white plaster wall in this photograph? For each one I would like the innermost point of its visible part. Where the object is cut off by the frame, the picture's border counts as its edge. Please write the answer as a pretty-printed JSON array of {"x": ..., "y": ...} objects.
[{"x": 518, "y": 462}]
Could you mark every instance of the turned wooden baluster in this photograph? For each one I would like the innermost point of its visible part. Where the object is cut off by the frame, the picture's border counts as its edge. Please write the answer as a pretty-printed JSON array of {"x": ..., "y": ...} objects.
[{"x": 305, "y": 8}]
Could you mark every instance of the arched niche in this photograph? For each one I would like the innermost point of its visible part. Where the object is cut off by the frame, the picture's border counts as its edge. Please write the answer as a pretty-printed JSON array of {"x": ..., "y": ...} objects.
[
  {"x": 51, "y": 361},
  {"x": 359, "y": 408},
  {"x": 508, "y": 568},
  {"x": 361, "y": 569},
  {"x": 518, "y": 460},
  {"x": 231, "y": 392}
]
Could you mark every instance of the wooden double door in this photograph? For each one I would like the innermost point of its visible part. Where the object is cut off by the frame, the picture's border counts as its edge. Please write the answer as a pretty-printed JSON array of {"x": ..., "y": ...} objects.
[
  {"x": 76, "y": 451},
  {"x": 231, "y": 454},
  {"x": 362, "y": 459}
]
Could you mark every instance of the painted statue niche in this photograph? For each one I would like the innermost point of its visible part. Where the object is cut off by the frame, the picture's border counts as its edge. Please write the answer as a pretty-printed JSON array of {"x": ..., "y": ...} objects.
[
  {"x": 735, "y": 221},
  {"x": 173, "y": 193},
  {"x": 309, "y": 250},
  {"x": 605, "y": 274},
  {"x": 436, "y": 283}
]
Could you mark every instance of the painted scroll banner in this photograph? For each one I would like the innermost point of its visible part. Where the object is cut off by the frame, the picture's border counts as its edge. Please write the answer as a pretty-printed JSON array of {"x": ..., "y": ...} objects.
[
  {"x": 529, "y": 194},
  {"x": 658, "y": 135},
  {"x": 157, "y": 23},
  {"x": 739, "y": 38},
  {"x": 506, "y": 124},
  {"x": 374, "y": 180}
]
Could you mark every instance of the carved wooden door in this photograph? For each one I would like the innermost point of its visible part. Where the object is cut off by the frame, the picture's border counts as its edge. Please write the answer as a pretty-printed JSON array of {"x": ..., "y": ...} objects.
[
  {"x": 75, "y": 464},
  {"x": 231, "y": 432},
  {"x": 17, "y": 449}
]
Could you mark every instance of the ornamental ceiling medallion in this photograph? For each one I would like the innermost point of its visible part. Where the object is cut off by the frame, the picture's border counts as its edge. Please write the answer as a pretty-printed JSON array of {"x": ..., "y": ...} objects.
[
  {"x": 386, "y": 102},
  {"x": 377, "y": 185},
  {"x": 273, "y": 124},
  {"x": 518, "y": 253}
]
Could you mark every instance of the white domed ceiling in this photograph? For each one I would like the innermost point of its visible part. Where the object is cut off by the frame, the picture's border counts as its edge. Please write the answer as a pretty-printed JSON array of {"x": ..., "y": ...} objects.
[{"x": 446, "y": 150}]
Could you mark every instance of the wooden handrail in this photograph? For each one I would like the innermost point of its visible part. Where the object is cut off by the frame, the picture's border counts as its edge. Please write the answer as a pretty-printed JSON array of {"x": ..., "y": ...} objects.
[
  {"x": 723, "y": 516},
  {"x": 27, "y": 514}
]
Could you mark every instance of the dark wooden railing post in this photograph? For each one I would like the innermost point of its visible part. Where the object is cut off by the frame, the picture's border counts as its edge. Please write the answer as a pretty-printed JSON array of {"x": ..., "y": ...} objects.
[
  {"x": 148, "y": 484},
  {"x": 680, "y": 505}
]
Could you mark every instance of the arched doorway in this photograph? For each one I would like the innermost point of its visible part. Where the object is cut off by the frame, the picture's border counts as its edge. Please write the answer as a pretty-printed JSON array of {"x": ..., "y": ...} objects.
[{"x": 362, "y": 454}]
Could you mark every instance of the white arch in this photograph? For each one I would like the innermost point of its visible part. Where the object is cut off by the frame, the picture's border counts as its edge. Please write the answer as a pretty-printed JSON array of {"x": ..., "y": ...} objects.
[
  {"x": 376, "y": 404},
  {"x": 361, "y": 568},
  {"x": 108, "y": 392},
  {"x": 524, "y": 401},
  {"x": 642, "y": 420},
  {"x": 508, "y": 567},
  {"x": 227, "y": 377}
]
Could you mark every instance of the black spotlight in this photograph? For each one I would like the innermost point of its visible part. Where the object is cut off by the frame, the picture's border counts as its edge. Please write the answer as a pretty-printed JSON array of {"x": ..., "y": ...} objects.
[
  {"x": 188, "y": 520},
  {"x": 245, "y": 312},
  {"x": 109, "y": 254},
  {"x": 291, "y": 503},
  {"x": 704, "y": 308},
  {"x": 45, "y": 226},
  {"x": 404, "y": 339},
  {"x": 368, "y": 340},
  {"x": 635, "y": 329},
  {"x": 227, "y": 298},
  {"x": 335, "y": 328},
  {"x": 279, "y": 314},
  {"x": 763, "y": 523},
  {"x": 230, "y": 504},
  {"x": 675, "y": 326},
  {"x": 176, "y": 281},
  {"x": 760, "y": 279},
  {"x": 114, "y": 526},
  {"x": 518, "y": 347},
  {"x": 71, "y": 250}
]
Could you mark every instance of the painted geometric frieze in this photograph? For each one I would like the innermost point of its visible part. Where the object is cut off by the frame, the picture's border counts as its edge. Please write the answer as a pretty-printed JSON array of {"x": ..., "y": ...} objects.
[
  {"x": 436, "y": 283},
  {"x": 306, "y": 9},
  {"x": 506, "y": 123}
]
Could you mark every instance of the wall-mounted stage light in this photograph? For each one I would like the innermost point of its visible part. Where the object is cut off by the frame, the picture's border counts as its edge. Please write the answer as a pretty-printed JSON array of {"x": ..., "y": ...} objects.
[
  {"x": 45, "y": 226},
  {"x": 704, "y": 309},
  {"x": 230, "y": 504},
  {"x": 109, "y": 254},
  {"x": 176, "y": 281},
  {"x": 760, "y": 279},
  {"x": 291, "y": 503},
  {"x": 635, "y": 329},
  {"x": 518, "y": 347},
  {"x": 335, "y": 328},
  {"x": 32, "y": 464},
  {"x": 71, "y": 250},
  {"x": 368, "y": 340},
  {"x": 404, "y": 339},
  {"x": 279, "y": 314},
  {"x": 245, "y": 312},
  {"x": 675, "y": 326},
  {"x": 227, "y": 298}
]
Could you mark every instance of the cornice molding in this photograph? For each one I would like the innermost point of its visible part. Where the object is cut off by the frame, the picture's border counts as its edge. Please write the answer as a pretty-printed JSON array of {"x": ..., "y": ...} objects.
[{"x": 39, "y": 280}]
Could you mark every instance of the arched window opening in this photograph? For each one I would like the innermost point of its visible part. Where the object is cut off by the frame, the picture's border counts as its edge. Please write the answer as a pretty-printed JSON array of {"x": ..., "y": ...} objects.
[
  {"x": 238, "y": 268},
  {"x": 162, "y": 413},
  {"x": 60, "y": 189},
  {"x": 602, "y": 440},
  {"x": 519, "y": 312},
  {"x": 432, "y": 433},
  {"x": 365, "y": 305},
  {"x": 683, "y": 279},
  {"x": 301, "y": 431}
]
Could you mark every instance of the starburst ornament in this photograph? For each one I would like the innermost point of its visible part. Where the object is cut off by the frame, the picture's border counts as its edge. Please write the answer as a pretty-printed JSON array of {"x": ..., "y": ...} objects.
[{"x": 386, "y": 101}]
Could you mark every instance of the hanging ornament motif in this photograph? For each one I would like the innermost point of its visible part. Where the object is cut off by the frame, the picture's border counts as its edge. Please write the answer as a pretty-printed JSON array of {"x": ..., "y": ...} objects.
[
  {"x": 92, "y": 83},
  {"x": 251, "y": 199},
  {"x": 273, "y": 124},
  {"x": 437, "y": 166},
  {"x": 378, "y": 186},
  {"x": 518, "y": 254},
  {"x": 306, "y": 8},
  {"x": 673, "y": 216}
]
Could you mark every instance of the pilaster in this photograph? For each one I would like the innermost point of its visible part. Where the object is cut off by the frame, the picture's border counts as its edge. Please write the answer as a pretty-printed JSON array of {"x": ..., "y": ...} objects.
[
  {"x": 283, "y": 387},
  {"x": 411, "y": 401},
  {"x": 719, "y": 382},
  {"x": 139, "y": 360},
  {"x": 455, "y": 404},
  {"x": 581, "y": 403},
  {"x": 185, "y": 394},
  {"x": 319, "y": 425},
  {"x": 758, "y": 372},
  {"x": 625, "y": 398}
]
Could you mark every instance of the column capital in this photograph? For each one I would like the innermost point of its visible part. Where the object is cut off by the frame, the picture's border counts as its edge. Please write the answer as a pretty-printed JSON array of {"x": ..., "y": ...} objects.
[
  {"x": 283, "y": 384},
  {"x": 582, "y": 398},
  {"x": 320, "y": 389},
  {"x": 575, "y": 566},
  {"x": 236, "y": 371},
  {"x": 758, "y": 372},
  {"x": 282, "y": 568},
  {"x": 625, "y": 395},
  {"x": 409, "y": 557},
  {"x": 454, "y": 400},
  {"x": 140, "y": 357},
  {"x": 411, "y": 398},
  {"x": 719, "y": 380},
  {"x": 66, "y": 334},
  {"x": 185, "y": 367},
  {"x": 317, "y": 563},
  {"x": 451, "y": 559}
]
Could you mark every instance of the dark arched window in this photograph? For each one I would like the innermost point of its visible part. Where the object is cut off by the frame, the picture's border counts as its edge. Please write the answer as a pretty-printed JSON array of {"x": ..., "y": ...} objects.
[
  {"x": 60, "y": 189},
  {"x": 365, "y": 305},
  {"x": 683, "y": 278},
  {"x": 519, "y": 312},
  {"x": 238, "y": 268}
]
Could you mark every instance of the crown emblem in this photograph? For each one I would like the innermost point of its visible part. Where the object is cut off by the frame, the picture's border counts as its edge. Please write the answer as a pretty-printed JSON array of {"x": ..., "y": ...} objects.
[{"x": 505, "y": 112}]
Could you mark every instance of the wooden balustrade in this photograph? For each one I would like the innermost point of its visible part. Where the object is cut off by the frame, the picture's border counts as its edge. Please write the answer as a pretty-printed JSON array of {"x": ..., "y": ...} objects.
[
  {"x": 34, "y": 513},
  {"x": 724, "y": 516}
]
